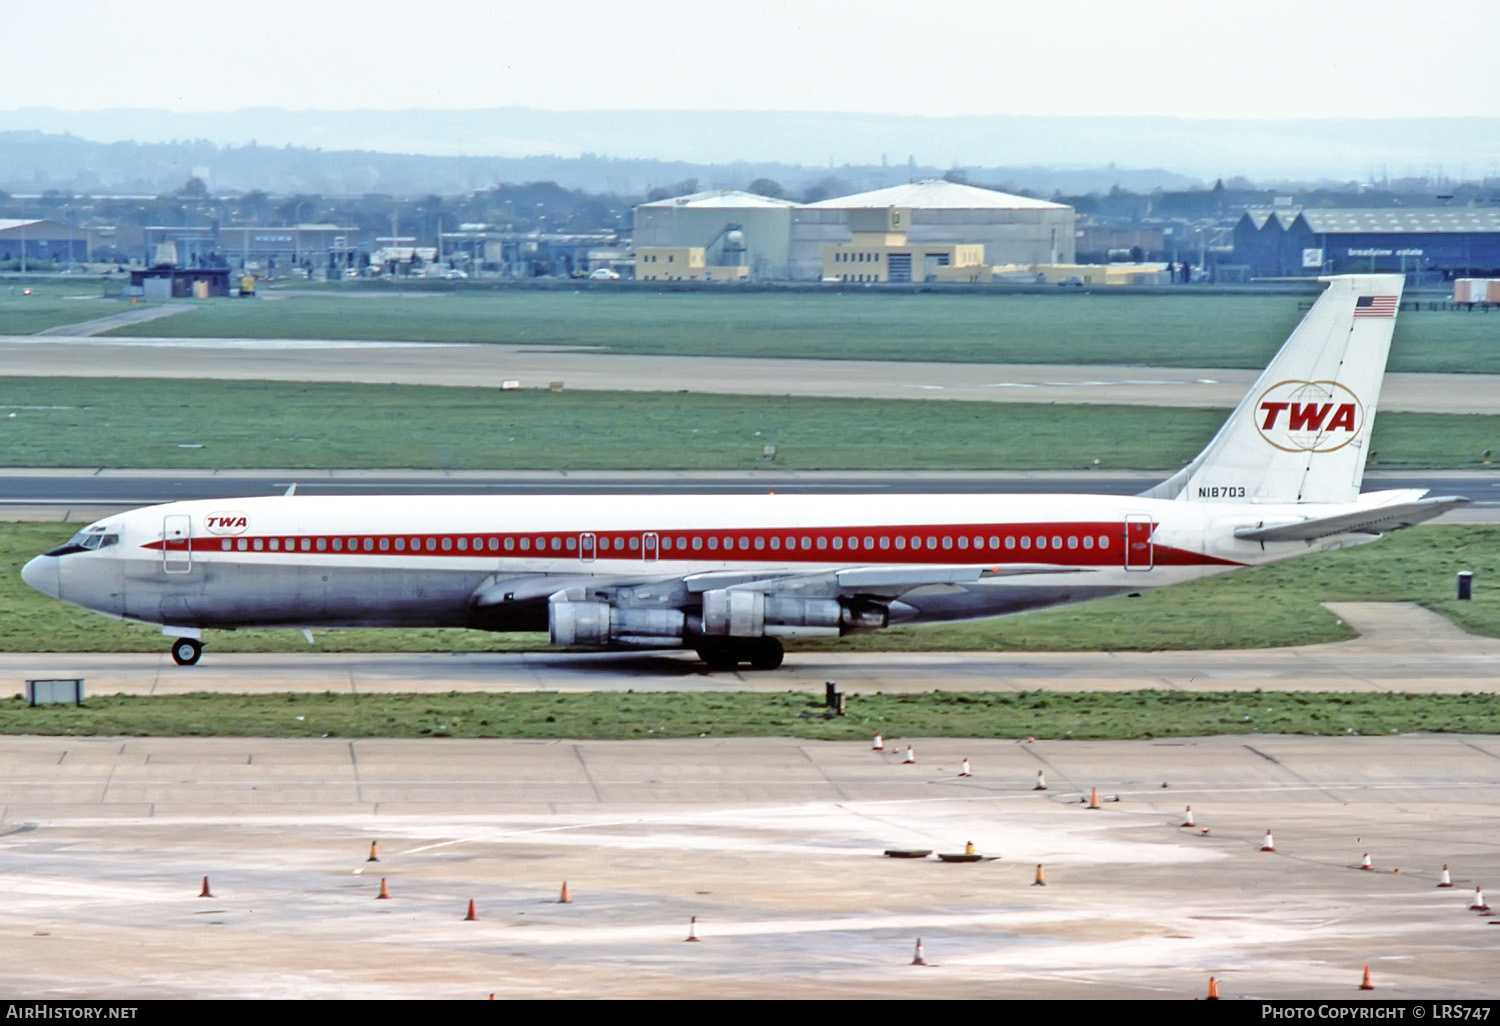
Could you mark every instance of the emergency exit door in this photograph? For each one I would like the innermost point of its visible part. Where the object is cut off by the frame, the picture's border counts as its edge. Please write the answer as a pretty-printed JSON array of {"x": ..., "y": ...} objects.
[{"x": 1138, "y": 545}]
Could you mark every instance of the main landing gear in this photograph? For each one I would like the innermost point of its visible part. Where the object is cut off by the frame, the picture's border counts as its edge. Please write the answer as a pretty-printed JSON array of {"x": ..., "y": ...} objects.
[
  {"x": 760, "y": 653},
  {"x": 186, "y": 651}
]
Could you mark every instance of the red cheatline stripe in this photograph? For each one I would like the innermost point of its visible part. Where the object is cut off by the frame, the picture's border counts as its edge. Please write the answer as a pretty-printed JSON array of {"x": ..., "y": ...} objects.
[{"x": 1077, "y": 544}]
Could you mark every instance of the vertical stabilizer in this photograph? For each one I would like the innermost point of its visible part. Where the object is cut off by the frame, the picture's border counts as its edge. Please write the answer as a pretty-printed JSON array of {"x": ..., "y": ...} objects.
[{"x": 1303, "y": 431}]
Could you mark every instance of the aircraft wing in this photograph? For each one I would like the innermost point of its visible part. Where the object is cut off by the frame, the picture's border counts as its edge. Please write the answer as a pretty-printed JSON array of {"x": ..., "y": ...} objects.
[{"x": 1377, "y": 520}]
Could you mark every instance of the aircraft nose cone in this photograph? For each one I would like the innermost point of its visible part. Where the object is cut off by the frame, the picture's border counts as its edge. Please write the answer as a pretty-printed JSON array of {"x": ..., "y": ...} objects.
[{"x": 41, "y": 574}]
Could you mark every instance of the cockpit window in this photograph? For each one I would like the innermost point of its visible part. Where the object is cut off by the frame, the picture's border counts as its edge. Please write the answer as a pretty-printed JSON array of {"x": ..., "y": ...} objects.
[{"x": 88, "y": 539}]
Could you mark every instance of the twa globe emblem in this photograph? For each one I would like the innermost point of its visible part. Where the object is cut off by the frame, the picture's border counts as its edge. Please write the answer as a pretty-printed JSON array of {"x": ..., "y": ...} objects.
[{"x": 1309, "y": 416}]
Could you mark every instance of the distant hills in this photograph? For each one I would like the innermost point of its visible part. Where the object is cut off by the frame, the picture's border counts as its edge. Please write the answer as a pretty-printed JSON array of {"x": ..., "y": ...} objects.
[{"x": 631, "y": 152}]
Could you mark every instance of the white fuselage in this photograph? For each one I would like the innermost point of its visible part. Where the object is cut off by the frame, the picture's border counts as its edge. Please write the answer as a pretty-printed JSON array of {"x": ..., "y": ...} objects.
[{"x": 302, "y": 561}]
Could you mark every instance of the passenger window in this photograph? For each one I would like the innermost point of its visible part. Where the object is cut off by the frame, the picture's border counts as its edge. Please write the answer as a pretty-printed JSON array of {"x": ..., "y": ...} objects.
[
  {"x": 822, "y": 543},
  {"x": 947, "y": 541},
  {"x": 963, "y": 541},
  {"x": 1088, "y": 541},
  {"x": 385, "y": 545},
  {"x": 806, "y": 542},
  {"x": 900, "y": 542},
  {"x": 713, "y": 543},
  {"x": 744, "y": 542},
  {"x": 463, "y": 544},
  {"x": 1104, "y": 541},
  {"x": 275, "y": 543},
  {"x": 306, "y": 545},
  {"x": 525, "y": 544},
  {"x": 258, "y": 545},
  {"x": 1072, "y": 541},
  {"x": 697, "y": 543},
  {"x": 226, "y": 545},
  {"x": 1057, "y": 541},
  {"x": 447, "y": 544},
  {"x": 760, "y": 543},
  {"x": 400, "y": 544},
  {"x": 557, "y": 544},
  {"x": 775, "y": 543},
  {"x": 1010, "y": 541},
  {"x": 494, "y": 544},
  {"x": 242, "y": 545},
  {"x": 932, "y": 541},
  {"x": 635, "y": 543},
  {"x": 666, "y": 544},
  {"x": 1025, "y": 541},
  {"x": 572, "y": 543},
  {"x": 1041, "y": 542},
  {"x": 323, "y": 544},
  {"x": 885, "y": 542}
]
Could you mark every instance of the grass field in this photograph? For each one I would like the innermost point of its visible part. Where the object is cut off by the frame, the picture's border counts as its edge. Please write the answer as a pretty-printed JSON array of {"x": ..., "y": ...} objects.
[
  {"x": 1134, "y": 714},
  {"x": 1176, "y": 330},
  {"x": 54, "y": 301},
  {"x": 1417, "y": 565},
  {"x": 88, "y": 422}
]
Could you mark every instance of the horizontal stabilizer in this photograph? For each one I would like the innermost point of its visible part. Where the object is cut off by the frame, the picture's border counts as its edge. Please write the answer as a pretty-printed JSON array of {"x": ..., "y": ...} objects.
[{"x": 1378, "y": 520}]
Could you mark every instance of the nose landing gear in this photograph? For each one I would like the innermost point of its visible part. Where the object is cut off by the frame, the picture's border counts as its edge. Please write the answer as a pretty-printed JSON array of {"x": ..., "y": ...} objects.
[{"x": 185, "y": 651}]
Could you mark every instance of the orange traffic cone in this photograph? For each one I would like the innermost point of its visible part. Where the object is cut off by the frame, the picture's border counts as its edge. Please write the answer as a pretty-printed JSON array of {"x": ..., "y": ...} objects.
[
  {"x": 692, "y": 929},
  {"x": 1445, "y": 880},
  {"x": 1366, "y": 984},
  {"x": 385, "y": 891},
  {"x": 1269, "y": 844},
  {"x": 911, "y": 756},
  {"x": 1479, "y": 905},
  {"x": 205, "y": 893},
  {"x": 879, "y": 745},
  {"x": 374, "y": 852},
  {"x": 917, "y": 958},
  {"x": 565, "y": 897},
  {"x": 1041, "y": 782},
  {"x": 1041, "y": 877},
  {"x": 1213, "y": 989},
  {"x": 1187, "y": 817},
  {"x": 963, "y": 769},
  {"x": 1366, "y": 863},
  {"x": 473, "y": 914},
  {"x": 1094, "y": 798}
]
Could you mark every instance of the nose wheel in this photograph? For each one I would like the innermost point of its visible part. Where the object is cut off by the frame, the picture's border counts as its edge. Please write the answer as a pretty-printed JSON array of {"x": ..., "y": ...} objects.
[{"x": 185, "y": 651}]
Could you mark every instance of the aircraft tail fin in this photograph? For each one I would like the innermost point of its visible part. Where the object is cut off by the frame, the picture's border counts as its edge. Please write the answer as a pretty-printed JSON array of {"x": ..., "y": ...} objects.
[{"x": 1302, "y": 432}]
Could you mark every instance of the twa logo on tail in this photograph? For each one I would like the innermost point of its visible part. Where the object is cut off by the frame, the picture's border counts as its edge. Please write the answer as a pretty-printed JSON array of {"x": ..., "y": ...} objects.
[{"x": 1309, "y": 416}]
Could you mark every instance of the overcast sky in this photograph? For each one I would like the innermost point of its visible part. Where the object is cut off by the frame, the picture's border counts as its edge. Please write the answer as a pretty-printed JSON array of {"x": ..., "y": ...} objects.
[{"x": 1182, "y": 58}]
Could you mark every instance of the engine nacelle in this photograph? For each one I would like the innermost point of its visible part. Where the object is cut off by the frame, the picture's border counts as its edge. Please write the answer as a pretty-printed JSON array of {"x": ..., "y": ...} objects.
[
  {"x": 599, "y": 623},
  {"x": 752, "y": 614}
]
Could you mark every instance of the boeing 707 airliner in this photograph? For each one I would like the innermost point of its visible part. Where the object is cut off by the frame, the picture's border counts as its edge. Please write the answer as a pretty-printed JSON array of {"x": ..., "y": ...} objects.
[{"x": 735, "y": 577}]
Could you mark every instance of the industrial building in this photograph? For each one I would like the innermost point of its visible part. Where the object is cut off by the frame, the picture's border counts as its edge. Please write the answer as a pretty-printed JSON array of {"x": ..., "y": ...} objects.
[
  {"x": 325, "y": 247},
  {"x": 879, "y": 251},
  {"x": 44, "y": 240},
  {"x": 1431, "y": 241},
  {"x": 1012, "y": 229},
  {"x": 683, "y": 263},
  {"x": 734, "y": 229}
]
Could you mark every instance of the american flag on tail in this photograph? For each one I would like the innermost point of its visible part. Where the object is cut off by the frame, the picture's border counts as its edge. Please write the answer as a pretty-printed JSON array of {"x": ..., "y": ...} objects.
[{"x": 1375, "y": 306}]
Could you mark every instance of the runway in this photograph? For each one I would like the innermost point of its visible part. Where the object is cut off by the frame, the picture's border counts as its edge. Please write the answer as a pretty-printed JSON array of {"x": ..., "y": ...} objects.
[
  {"x": 468, "y": 365},
  {"x": 1402, "y": 647},
  {"x": 88, "y": 493}
]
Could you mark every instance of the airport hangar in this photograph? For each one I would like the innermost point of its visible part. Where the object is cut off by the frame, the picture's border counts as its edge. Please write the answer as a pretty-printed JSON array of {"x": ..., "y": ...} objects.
[
  {"x": 775, "y": 239},
  {"x": 1450, "y": 242}
]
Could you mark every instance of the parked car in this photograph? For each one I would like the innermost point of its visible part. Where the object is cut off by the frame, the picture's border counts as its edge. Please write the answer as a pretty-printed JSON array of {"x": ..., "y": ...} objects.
[
  {"x": 453, "y": 274},
  {"x": 604, "y": 274}
]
